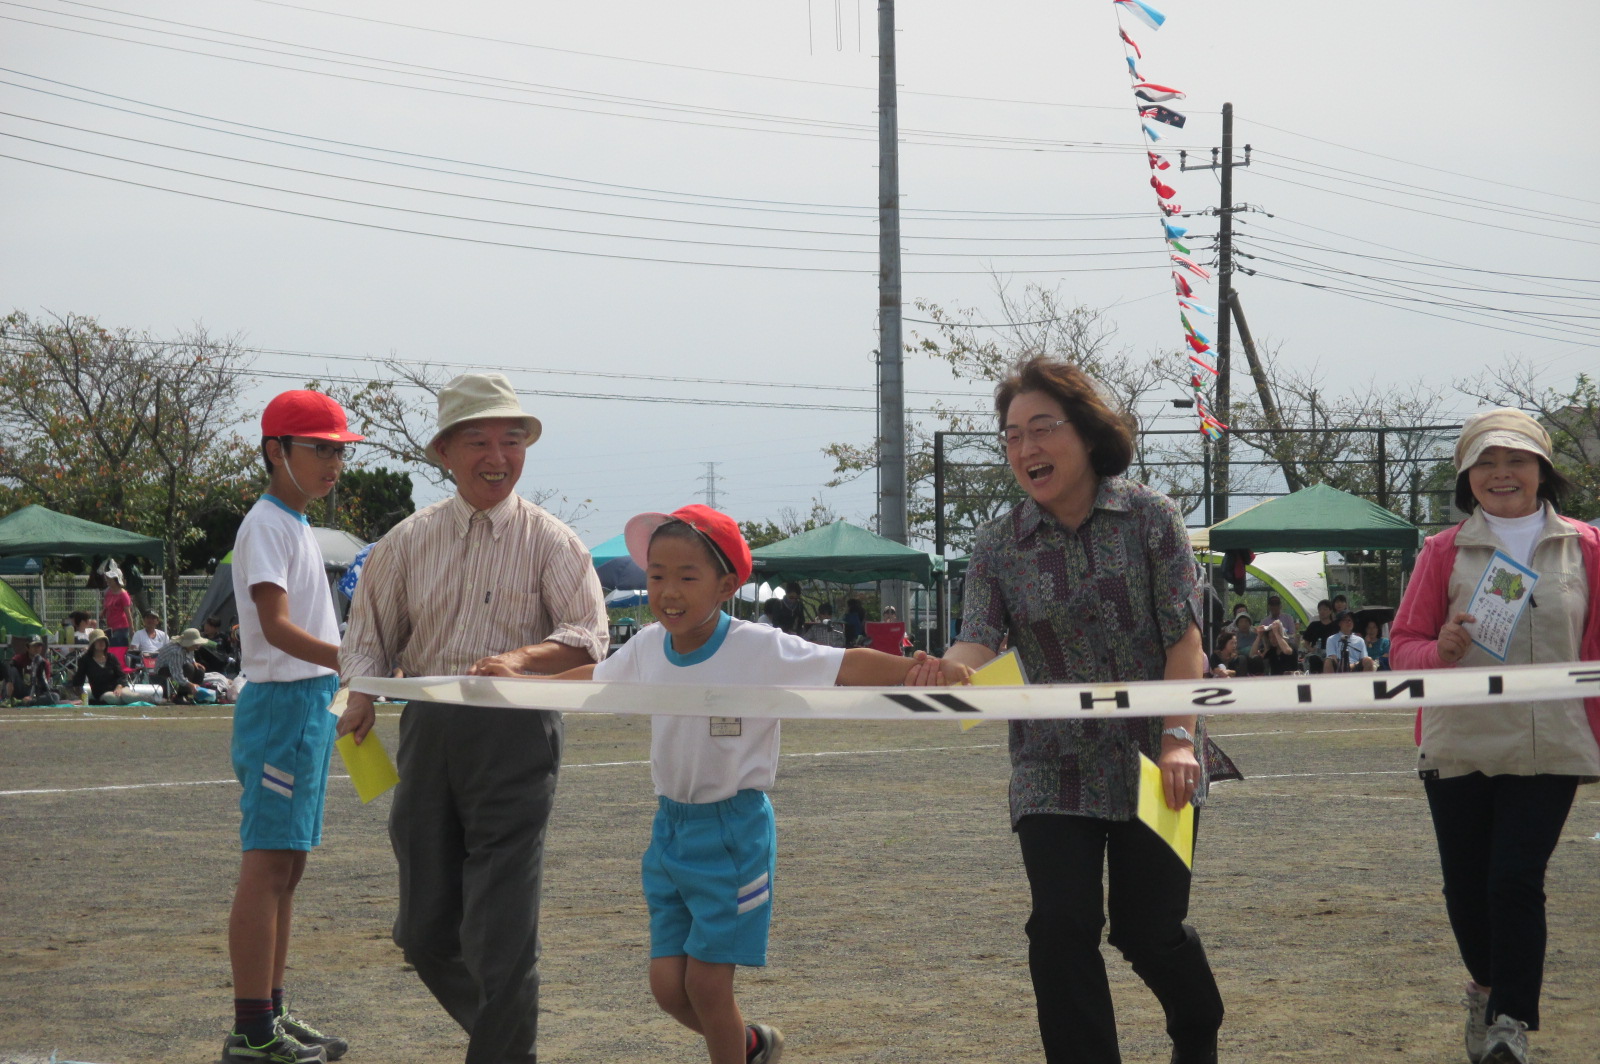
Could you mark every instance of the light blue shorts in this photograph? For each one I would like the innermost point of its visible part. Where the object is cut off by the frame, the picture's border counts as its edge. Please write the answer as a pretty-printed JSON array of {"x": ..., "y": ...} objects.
[
  {"x": 708, "y": 879},
  {"x": 282, "y": 740}
]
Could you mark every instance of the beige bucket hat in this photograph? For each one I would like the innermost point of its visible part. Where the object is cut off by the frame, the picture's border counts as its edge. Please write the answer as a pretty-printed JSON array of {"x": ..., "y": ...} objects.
[
  {"x": 475, "y": 396},
  {"x": 1501, "y": 427},
  {"x": 190, "y": 638}
]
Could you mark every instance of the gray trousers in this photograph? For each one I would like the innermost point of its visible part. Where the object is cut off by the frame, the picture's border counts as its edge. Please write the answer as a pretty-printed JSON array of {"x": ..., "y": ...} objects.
[{"x": 468, "y": 828}]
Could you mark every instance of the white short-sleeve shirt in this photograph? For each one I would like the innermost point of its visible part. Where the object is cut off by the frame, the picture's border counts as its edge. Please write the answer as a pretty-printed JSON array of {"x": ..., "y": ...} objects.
[
  {"x": 275, "y": 546},
  {"x": 709, "y": 759}
]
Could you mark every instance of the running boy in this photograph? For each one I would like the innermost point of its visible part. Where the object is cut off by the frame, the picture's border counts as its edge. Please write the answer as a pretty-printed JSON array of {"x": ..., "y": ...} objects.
[
  {"x": 709, "y": 868},
  {"x": 282, "y": 730}
]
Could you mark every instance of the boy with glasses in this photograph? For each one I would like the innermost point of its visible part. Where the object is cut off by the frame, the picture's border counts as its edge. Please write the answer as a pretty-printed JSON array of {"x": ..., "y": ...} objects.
[{"x": 282, "y": 730}]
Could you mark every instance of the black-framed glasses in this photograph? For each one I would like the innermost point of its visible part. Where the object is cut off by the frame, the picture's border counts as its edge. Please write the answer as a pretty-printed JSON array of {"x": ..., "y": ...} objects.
[
  {"x": 342, "y": 451},
  {"x": 1038, "y": 432}
]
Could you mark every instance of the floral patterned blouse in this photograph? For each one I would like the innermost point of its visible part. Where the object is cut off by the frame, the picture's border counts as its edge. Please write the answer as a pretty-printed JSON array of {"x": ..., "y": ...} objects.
[{"x": 1101, "y": 603}]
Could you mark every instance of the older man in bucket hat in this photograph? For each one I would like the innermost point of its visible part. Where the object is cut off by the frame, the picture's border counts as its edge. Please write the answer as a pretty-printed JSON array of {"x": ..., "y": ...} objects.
[{"x": 484, "y": 581}]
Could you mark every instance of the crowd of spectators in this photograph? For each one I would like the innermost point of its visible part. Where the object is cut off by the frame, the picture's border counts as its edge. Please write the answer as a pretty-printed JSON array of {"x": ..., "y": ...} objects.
[{"x": 1278, "y": 646}]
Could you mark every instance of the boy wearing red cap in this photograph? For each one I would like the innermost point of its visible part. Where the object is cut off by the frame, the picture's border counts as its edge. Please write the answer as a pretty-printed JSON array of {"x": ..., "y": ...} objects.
[
  {"x": 282, "y": 730},
  {"x": 709, "y": 869}
]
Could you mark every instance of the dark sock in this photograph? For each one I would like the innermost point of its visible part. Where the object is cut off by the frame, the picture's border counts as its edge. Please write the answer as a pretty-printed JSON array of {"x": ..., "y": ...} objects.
[
  {"x": 277, "y": 1001},
  {"x": 253, "y": 1018}
]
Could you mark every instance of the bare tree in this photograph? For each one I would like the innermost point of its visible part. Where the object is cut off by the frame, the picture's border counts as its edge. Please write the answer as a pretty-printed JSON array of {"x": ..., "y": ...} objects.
[
  {"x": 1570, "y": 415},
  {"x": 396, "y": 412},
  {"x": 1036, "y": 321}
]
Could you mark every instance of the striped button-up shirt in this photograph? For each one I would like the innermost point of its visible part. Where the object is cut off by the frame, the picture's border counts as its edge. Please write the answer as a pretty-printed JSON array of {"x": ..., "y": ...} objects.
[{"x": 450, "y": 584}]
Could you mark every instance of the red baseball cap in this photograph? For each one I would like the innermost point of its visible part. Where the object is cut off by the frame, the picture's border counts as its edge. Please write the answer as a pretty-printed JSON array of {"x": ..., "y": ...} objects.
[
  {"x": 717, "y": 529},
  {"x": 307, "y": 413}
]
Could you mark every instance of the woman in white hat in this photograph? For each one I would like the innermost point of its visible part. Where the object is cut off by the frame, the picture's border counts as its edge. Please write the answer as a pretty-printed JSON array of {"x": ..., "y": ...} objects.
[{"x": 1500, "y": 778}]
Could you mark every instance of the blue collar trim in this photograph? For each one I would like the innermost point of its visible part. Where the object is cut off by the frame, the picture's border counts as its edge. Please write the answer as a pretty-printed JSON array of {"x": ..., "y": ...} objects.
[
  {"x": 703, "y": 653},
  {"x": 286, "y": 508}
]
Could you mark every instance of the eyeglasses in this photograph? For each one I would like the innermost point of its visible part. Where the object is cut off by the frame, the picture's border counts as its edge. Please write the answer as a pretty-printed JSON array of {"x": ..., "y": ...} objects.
[
  {"x": 325, "y": 451},
  {"x": 1038, "y": 433}
]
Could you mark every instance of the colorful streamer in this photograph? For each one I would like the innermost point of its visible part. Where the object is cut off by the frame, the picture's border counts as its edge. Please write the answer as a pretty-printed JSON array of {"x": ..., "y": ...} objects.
[{"x": 1143, "y": 12}]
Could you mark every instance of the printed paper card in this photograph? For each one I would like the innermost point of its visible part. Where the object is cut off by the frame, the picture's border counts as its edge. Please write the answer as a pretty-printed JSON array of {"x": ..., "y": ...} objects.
[
  {"x": 1004, "y": 671},
  {"x": 1175, "y": 826},
  {"x": 1503, "y": 592}
]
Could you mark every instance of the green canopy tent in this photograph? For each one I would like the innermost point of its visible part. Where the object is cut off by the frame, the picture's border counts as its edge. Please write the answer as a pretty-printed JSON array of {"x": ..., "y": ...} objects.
[
  {"x": 34, "y": 531},
  {"x": 16, "y": 617},
  {"x": 1315, "y": 518},
  {"x": 842, "y": 553}
]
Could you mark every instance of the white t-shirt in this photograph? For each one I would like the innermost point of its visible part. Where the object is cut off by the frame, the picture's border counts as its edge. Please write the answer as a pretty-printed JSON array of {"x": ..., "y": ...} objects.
[
  {"x": 1520, "y": 535},
  {"x": 275, "y": 546},
  {"x": 148, "y": 642},
  {"x": 709, "y": 759}
]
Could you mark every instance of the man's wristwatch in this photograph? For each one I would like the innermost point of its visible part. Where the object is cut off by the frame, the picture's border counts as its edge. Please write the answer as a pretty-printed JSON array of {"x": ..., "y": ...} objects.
[{"x": 1181, "y": 734}]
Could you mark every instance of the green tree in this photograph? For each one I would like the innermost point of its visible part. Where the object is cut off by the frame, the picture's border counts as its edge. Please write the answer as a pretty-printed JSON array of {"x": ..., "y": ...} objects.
[
  {"x": 372, "y": 500},
  {"x": 122, "y": 428},
  {"x": 789, "y": 523}
]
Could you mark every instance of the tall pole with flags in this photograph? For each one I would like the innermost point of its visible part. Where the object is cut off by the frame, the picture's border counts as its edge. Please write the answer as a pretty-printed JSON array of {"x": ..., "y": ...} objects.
[{"x": 891, "y": 378}]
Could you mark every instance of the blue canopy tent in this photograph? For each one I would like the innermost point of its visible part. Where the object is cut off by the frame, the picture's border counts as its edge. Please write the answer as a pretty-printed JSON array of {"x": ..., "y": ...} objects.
[{"x": 615, "y": 569}]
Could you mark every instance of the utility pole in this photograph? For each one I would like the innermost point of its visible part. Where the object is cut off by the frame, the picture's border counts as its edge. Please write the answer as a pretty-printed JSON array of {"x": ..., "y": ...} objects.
[
  {"x": 1220, "y": 406},
  {"x": 891, "y": 378},
  {"x": 1225, "y": 212},
  {"x": 710, "y": 490}
]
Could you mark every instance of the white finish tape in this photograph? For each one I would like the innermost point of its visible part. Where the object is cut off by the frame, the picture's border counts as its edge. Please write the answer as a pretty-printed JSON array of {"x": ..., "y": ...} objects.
[{"x": 1262, "y": 694}]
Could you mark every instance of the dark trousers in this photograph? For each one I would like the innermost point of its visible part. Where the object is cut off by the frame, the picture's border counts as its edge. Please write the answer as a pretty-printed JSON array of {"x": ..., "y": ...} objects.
[
  {"x": 1149, "y": 899},
  {"x": 1496, "y": 835},
  {"x": 468, "y": 828}
]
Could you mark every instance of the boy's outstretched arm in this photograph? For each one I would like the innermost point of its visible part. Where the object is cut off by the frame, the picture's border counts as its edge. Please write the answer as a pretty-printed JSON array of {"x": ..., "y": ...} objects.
[{"x": 873, "y": 668}]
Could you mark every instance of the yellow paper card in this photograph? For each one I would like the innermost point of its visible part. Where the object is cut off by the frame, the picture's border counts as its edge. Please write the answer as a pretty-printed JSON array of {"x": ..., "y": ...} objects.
[
  {"x": 1004, "y": 671},
  {"x": 368, "y": 764},
  {"x": 1175, "y": 826}
]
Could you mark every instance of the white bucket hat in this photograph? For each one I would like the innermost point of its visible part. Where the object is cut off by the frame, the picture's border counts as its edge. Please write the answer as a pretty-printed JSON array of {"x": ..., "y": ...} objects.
[{"x": 475, "y": 396}]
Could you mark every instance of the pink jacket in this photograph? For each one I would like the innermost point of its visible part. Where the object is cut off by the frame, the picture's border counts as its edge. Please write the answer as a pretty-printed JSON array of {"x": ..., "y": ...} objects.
[{"x": 1413, "y": 640}]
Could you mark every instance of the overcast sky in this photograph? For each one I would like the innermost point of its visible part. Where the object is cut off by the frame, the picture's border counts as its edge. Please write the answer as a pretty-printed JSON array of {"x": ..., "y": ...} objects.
[{"x": 539, "y": 188}]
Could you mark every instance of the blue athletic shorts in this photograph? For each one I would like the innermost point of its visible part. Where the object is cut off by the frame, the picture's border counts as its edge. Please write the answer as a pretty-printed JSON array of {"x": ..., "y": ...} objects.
[
  {"x": 282, "y": 740},
  {"x": 708, "y": 879}
]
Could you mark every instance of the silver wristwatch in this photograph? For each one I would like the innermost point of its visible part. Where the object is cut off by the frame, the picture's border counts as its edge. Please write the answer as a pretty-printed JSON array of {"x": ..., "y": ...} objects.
[{"x": 1181, "y": 734}]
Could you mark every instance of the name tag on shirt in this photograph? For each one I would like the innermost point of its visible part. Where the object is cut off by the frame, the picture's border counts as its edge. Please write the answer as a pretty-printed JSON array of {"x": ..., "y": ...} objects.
[{"x": 727, "y": 725}]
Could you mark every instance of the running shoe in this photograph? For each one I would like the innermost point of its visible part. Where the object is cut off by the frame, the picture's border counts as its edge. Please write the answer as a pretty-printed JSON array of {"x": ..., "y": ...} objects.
[
  {"x": 1506, "y": 1042},
  {"x": 1477, "y": 1003},
  {"x": 284, "y": 1048},
  {"x": 305, "y": 1034},
  {"x": 769, "y": 1044}
]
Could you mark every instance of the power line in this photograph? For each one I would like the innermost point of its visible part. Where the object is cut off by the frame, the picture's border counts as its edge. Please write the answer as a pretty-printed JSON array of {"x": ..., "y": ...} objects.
[
  {"x": 510, "y": 244},
  {"x": 943, "y": 138},
  {"x": 1432, "y": 214},
  {"x": 630, "y": 191},
  {"x": 1408, "y": 162}
]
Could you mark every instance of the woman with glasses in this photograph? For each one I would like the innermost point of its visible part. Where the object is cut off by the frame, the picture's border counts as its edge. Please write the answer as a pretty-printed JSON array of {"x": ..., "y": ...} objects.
[{"x": 1092, "y": 579}]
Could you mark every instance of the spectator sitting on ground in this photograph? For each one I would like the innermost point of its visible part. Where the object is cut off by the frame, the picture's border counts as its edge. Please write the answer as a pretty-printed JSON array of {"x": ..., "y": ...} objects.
[
  {"x": 1282, "y": 657},
  {"x": 823, "y": 631},
  {"x": 1221, "y": 659},
  {"x": 149, "y": 639},
  {"x": 223, "y": 653},
  {"x": 1316, "y": 634},
  {"x": 33, "y": 675},
  {"x": 1377, "y": 644},
  {"x": 1346, "y": 651},
  {"x": 102, "y": 672},
  {"x": 11, "y": 674},
  {"x": 1251, "y": 658},
  {"x": 176, "y": 668}
]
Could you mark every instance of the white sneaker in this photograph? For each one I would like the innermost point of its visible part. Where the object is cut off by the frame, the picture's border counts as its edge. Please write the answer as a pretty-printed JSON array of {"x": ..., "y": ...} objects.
[
  {"x": 1506, "y": 1042},
  {"x": 1477, "y": 1003},
  {"x": 769, "y": 1047}
]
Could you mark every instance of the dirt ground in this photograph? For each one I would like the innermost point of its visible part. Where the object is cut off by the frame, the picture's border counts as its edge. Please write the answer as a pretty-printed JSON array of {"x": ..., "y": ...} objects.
[{"x": 900, "y": 902}]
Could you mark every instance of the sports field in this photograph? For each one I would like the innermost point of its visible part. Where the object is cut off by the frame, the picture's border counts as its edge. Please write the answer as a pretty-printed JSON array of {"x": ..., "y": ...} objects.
[{"x": 899, "y": 911}]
